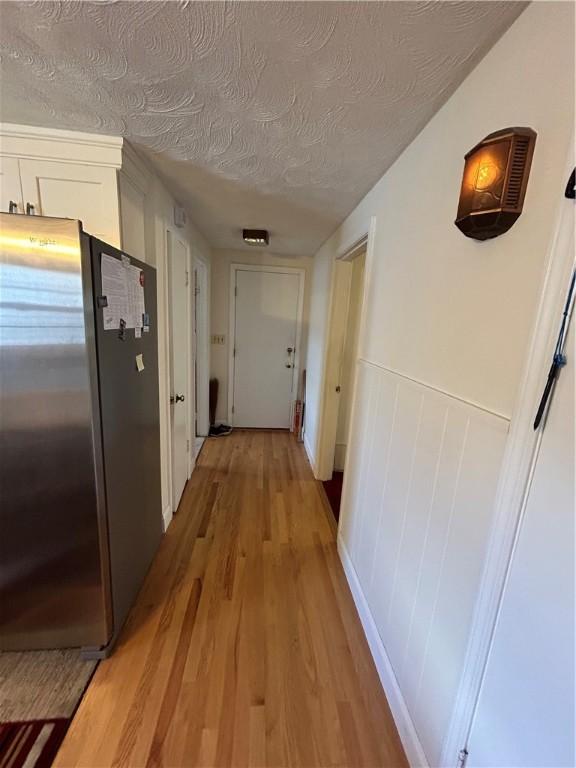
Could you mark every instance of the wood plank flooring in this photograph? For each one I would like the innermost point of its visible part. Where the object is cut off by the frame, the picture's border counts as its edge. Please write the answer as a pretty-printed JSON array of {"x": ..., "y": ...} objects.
[{"x": 244, "y": 647}]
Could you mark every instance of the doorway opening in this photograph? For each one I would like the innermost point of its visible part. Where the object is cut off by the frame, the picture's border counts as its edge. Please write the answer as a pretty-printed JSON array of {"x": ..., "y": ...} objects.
[
  {"x": 189, "y": 367},
  {"x": 350, "y": 276},
  {"x": 200, "y": 355},
  {"x": 345, "y": 328},
  {"x": 181, "y": 365}
]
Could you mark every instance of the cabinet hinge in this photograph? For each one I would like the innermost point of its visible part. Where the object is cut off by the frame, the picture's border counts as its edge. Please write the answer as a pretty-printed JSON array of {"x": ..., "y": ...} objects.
[
  {"x": 187, "y": 446},
  {"x": 234, "y": 352},
  {"x": 235, "y": 290},
  {"x": 187, "y": 279},
  {"x": 232, "y": 409},
  {"x": 462, "y": 757}
]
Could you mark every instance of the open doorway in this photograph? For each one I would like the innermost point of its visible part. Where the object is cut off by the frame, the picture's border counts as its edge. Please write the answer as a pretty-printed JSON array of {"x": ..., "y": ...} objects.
[
  {"x": 181, "y": 381},
  {"x": 200, "y": 353},
  {"x": 349, "y": 295},
  {"x": 188, "y": 296}
]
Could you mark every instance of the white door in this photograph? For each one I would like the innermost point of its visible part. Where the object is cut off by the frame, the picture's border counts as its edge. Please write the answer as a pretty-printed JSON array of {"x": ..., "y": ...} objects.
[
  {"x": 10, "y": 189},
  {"x": 179, "y": 365},
  {"x": 85, "y": 192},
  {"x": 525, "y": 715},
  {"x": 266, "y": 324}
]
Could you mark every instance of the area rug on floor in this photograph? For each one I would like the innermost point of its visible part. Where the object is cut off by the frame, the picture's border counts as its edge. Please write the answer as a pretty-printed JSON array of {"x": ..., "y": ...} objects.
[
  {"x": 333, "y": 490},
  {"x": 39, "y": 693},
  {"x": 31, "y": 744},
  {"x": 37, "y": 685}
]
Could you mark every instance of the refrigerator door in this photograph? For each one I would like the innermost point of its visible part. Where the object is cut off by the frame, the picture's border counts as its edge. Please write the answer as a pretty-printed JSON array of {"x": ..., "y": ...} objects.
[
  {"x": 128, "y": 378},
  {"x": 53, "y": 574}
]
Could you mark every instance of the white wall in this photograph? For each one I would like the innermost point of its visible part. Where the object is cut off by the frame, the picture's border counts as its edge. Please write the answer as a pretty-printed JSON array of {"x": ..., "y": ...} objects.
[
  {"x": 447, "y": 325},
  {"x": 220, "y": 309}
]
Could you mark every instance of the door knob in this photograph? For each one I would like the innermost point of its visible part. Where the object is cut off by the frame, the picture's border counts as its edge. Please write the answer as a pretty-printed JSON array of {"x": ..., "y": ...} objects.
[
  {"x": 290, "y": 350},
  {"x": 288, "y": 365},
  {"x": 177, "y": 399}
]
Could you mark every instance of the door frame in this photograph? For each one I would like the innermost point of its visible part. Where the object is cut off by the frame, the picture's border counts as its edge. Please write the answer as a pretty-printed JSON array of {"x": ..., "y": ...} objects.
[
  {"x": 234, "y": 268},
  {"x": 202, "y": 347},
  {"x": 340, "y": 293},
  {"x": 170, "y": 235},
  {"x": 521, "y": 448}
]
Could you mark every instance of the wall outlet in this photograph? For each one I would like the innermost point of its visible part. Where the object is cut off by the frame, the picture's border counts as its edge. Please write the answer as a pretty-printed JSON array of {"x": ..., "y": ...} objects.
[{"x": 218, "y": 338}]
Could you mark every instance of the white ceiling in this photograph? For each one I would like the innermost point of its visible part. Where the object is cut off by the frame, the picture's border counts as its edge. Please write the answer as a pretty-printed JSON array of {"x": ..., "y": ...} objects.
[{"x": 279, "y": 115}]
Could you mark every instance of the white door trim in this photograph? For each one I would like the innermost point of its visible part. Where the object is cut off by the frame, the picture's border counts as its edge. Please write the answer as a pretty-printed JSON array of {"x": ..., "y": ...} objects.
[
  {"x": 521, "y": 445},
  {"x": 326, "y": 436},
  {"x": 202, "y": 347},
  {"x": 234, "y": 268}
]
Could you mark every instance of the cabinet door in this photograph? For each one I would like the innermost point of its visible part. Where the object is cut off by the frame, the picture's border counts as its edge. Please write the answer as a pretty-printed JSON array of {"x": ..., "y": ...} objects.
[
  {"x": 74, "y": 191},
  {"x": 10, "y": 189}
]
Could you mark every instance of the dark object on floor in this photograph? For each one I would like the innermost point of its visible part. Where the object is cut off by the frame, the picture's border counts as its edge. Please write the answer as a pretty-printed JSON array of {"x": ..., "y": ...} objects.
[
  {"x": 34, "y": 742},
  {"x": 333, "y": 490},
  {"x": 212, "y": 400},
  {"x": 219, "y": 431}
]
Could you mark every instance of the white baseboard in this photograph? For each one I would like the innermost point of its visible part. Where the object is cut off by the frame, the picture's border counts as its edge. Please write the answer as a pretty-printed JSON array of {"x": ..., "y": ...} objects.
[
  {"x": 167, "y": 517},
  {"x": 310, "y": 454},
  {"x": 404, "y": 724}
]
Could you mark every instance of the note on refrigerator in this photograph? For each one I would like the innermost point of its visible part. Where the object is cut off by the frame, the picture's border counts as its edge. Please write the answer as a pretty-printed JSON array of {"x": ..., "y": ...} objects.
[
  {"x": 140, "y": 363},
  {"x": 123, "y": 287},
  {"x": 136, "y": 306},
  {"x": 114, "y": 288}
]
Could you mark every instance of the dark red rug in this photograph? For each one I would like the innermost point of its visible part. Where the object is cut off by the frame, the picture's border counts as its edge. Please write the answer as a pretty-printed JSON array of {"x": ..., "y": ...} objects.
[
  {"x": 33, "y": 743},
  {"x": 333, "y": 490}
]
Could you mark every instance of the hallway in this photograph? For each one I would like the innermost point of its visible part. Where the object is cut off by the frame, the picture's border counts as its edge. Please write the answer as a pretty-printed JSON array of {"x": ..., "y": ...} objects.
[{"x": 244, "y": 646}]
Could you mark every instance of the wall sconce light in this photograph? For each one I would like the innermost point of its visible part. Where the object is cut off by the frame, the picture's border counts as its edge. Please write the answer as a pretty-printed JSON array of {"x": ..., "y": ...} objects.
[
  {"x": 255, "y": 236},
  {"x": 494, "y": 183}
]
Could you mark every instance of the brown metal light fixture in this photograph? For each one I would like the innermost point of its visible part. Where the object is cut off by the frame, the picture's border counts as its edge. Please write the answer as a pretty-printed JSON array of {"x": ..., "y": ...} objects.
[
  {"x": 494, "y": 183},
  {"x": 255, "y": 236}
]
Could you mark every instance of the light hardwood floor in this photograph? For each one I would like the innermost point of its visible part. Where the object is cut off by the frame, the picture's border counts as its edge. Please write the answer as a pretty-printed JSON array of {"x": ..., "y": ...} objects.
[{"x": 244, "y": 647}]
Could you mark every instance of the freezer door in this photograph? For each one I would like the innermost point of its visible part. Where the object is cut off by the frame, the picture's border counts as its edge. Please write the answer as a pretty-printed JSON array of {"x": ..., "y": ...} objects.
[
  {"x": 128, "y": 376},
  {"x": 52, "y": 590}
]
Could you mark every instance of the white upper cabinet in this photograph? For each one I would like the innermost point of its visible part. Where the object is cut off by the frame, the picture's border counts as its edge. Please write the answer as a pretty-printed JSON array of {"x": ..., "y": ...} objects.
[
  {"x": 10, "y": 187},
  {"x": 72, "y": 191},
  {"x": 64, "y": 174}
]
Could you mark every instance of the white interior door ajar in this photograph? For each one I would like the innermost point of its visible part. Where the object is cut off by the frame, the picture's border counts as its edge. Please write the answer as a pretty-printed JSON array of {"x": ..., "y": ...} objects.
[
  {"x": 525, "y": 716},
  {"x": 266, "y": 326},
  {"x": 179, "y": 366}
]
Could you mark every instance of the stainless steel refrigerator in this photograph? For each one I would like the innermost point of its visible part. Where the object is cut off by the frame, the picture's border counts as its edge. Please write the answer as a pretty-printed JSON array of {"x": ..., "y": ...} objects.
[{"x": 80, "y": 507}]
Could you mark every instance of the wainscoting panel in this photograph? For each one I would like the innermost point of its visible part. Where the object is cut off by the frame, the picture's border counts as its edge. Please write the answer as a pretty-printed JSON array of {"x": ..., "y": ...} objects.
[{"x": 417, "y": 507}]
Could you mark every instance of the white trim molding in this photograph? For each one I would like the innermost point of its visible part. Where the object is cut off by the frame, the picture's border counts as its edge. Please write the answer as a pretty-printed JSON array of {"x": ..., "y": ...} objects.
[
  {"x": 406, "y": 729},
  {"x": 521, "y": 445},
  {"x": 236, "y": 267},
  {"x": 30, "y": 142},
  {"x": 167, "y": 517},
  {"x": 309, "y": 454}
]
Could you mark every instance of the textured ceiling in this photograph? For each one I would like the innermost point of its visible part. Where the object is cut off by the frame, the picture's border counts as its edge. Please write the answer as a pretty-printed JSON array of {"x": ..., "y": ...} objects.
[{"x": 267, "y": 114}]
